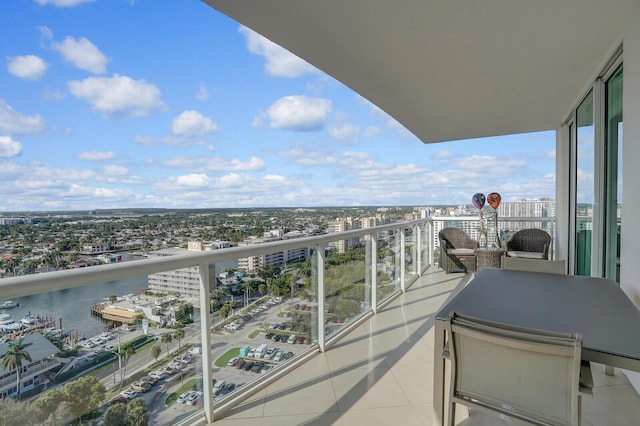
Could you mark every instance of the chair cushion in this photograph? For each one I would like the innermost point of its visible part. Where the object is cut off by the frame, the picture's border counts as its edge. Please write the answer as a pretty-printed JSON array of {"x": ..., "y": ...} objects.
[
  {"x": 525, "y": 254},
  {"x": 461, "y": 251}
]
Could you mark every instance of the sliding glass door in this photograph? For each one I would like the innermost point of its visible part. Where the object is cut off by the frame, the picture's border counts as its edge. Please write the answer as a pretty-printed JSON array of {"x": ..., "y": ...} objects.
[
  {"x": 613, "y": 175},
  {"x": 585, "y": 186},
  {"x": 596, "y": 146}
]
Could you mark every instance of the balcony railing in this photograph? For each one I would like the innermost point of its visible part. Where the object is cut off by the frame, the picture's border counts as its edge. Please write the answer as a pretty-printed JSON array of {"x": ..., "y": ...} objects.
[
  {"x": 351, "y": 276},
  {"x": 340, "y": 290}
]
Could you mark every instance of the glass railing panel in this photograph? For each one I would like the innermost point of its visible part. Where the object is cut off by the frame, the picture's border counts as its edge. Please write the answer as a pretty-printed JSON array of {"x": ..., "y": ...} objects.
[
  {"x": 388, "y": 267},
  {"x": 346, "y": 294},
  {"x": 410, "y": 256},
  {"x": 93, "y": 348},
  {"x": 261, "y": 319},
  {"x": 426, "y": 244},
  {"x": 244, "y": 308}
]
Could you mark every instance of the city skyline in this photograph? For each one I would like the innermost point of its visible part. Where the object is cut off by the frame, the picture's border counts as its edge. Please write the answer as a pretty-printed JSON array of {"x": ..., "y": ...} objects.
[{"x": 124, "y": 104}]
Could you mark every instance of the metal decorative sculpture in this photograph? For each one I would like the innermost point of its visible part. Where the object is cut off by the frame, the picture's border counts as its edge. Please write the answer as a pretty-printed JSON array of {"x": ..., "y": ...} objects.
[
  {"x": 493, "y": 201},
  {"x": 478, "y": 201}
]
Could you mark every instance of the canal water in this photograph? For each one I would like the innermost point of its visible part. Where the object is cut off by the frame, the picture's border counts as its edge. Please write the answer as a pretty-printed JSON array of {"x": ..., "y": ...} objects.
[{"x": 73, "y": 306}]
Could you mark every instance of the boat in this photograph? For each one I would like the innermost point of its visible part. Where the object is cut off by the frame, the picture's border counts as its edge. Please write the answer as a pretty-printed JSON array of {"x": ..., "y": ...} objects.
[
  {"x": 9, "y": 304},
  {"x": 29, "y": 320},
  {"x": 10, "y": 325}
]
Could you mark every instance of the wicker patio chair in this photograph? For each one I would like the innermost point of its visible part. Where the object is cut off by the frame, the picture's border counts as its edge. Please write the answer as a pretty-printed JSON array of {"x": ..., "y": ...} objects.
[
  {"x": 457, "y": 250},
  {"x": 530, "y": 244}
]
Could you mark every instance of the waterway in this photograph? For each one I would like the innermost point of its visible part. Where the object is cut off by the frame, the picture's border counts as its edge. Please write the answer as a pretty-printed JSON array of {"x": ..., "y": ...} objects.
[{"x": 73, "y": 306}]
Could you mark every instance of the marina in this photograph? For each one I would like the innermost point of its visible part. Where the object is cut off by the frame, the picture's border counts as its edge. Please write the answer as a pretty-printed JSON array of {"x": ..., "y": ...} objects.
[
  {"x": 65, "y": 311},
  {"x": 11, "y": 328}
]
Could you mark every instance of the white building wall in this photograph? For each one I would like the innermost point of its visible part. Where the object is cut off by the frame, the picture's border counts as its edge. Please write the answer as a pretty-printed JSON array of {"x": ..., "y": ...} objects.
[{"x": 630, "y": 249}]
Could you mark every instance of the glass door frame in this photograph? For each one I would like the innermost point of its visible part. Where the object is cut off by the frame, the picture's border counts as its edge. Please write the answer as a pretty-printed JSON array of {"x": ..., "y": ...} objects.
[{"x": 568, "y": 137}]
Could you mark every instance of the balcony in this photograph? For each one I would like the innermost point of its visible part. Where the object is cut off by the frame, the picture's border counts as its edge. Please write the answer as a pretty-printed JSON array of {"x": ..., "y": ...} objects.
[{"x": 366, "y": 322}]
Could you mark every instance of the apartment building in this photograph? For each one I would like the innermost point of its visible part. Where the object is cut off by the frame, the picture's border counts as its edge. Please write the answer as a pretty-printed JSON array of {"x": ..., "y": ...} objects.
[
  {"x": 280, "y": 258},
  {"x": 185, "y": 281}
]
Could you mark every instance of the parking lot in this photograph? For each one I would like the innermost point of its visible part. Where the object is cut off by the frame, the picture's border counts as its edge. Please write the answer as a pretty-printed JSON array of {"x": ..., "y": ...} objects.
[{"x": 278, "y": 341}]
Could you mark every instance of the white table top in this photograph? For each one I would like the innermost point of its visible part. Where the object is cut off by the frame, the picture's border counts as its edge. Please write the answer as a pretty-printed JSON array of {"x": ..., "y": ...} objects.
[{"x": 594, "y": 307}]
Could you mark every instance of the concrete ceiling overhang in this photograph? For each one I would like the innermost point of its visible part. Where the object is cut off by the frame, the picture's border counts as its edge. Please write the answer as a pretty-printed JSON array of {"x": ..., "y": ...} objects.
[{"x": 451, "y": 69}]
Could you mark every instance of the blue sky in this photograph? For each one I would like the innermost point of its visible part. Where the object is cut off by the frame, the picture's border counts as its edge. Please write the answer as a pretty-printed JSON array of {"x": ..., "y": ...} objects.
[{"x": 148, "y": 103}]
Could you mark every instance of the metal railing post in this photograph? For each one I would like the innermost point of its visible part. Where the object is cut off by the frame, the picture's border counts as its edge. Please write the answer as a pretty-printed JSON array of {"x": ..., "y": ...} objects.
[
  {"x": 402, "y": 258},
  {"x": 321, "y": 295},
  {"x": 374, "y": 273},
  {"x": 205, "y": 338},
  {"x": 417, "y": 250}
]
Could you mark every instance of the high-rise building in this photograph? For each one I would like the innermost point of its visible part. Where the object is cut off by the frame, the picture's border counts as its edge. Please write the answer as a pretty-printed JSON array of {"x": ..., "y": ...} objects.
[{"x": 185, "y": 281}]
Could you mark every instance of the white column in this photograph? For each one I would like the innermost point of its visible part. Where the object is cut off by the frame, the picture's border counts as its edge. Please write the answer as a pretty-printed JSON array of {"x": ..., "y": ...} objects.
[
  {"x": 205, "y": 333},
  {"x": 630, "y": 235},
  {"x": 320, "y": 268}
]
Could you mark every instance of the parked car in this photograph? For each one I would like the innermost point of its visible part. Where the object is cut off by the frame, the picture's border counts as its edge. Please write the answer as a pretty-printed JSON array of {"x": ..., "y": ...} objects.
[
  {"x": 169, "y": 370},
  {"x": 288, "y": 355},
  {"x": 149, "y": 379},
  {"x": 140, "y": 386},
  {"x": 233, "y": 361},
  {"x": 270, "y": 353},
  {"x": 217, "y": 386},
  {"x": 269, "y": 335},
  {"x": 278, "y": 356},
  {"x": 227, "y": 388},
  {"x": 257, "y": 366},
  {"x": 247, "y": 365},
  {"x": 157, "y": 374},
  {"x": 196, "y": 350},
  {"x": 240, "y": 363},
  {"x": 191, "y": 399},
  {"x": 129, "y": 393},
  {"x": 292, "y": 339},
  {"x": 183, "y": 397}
]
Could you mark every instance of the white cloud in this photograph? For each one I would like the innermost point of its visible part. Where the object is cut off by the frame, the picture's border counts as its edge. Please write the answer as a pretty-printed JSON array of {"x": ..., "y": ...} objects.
[
  {"x": 279, "y": 61},
  {"x": 142, "y": 140},
  {"x": 203, "y": 93},
  {"x": 371, "y": 132},
  {"x": 193, "y": 180},
  {"x": 83, "y": 54},
  {"x": 63, "y": 3},
  {"x": 29, "y": 67},
  {"x": 9, "y": 147},
  {"x": 96, "y": 155},
  {"x": 115, "y": 170},
  {"x": 118, "y": 96},
  {"x": 300, "y": 113},
  {"x": 345, "y": 132},
  {"x": 192, "y": 124},
  {"x": 14, "y": 123},
  {"x": 215, "y": 164},
  {"x": 45, "y": 32},
  {"x": 258, "y": 120}
]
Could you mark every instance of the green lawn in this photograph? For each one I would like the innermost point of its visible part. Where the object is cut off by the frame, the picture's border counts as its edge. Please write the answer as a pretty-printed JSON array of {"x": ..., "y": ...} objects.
[{"x": 224, "y": 358}]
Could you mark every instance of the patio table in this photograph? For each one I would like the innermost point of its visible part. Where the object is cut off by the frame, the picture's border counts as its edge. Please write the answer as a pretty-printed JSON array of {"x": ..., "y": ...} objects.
[{"x": 597, "y": 308}]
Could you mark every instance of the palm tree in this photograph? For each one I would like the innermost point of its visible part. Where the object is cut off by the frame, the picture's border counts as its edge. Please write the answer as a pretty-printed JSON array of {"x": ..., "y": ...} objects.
[
  {"x": 127, "y": 351},
  {"x": 166, "y": 338},
  {"x": 155, "y": 352},
  {"x": 12, "y": 359},
  {"x": 179, "y": 335}
]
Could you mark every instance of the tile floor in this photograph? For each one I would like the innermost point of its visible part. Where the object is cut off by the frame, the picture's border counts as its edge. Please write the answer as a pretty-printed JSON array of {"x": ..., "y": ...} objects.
[{"x": 381, "y": 374}]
